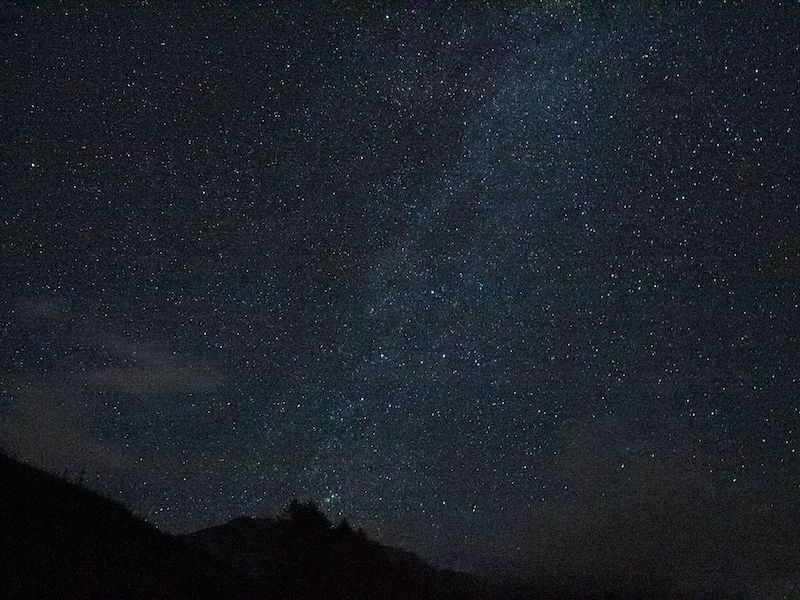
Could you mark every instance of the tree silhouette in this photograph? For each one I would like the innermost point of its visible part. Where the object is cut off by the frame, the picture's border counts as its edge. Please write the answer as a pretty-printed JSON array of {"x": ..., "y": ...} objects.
[
  {"x": 344, "y": 529},
  {"x": 307, "y": 516}
]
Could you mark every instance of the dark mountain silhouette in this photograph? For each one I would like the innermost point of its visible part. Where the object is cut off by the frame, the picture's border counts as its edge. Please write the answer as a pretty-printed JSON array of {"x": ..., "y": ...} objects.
[
  {"x": 302, "y": 556},
  {"x": 61, "y": 540}
]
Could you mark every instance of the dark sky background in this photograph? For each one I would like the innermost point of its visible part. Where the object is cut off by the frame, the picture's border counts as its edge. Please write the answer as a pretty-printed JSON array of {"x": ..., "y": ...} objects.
[{"x": 514, "y": 289}]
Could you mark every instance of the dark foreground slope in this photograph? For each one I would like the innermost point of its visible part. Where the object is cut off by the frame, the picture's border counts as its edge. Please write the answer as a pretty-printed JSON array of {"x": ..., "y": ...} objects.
[
  {"x": 301, "y": 556},
  {"x": 60, "y": 540}
]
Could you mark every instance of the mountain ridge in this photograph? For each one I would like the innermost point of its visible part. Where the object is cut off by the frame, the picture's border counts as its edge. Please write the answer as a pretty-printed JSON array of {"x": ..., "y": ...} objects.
[
  {"x": 335, "y": 561},
  {"x": 62, "y": 540}
]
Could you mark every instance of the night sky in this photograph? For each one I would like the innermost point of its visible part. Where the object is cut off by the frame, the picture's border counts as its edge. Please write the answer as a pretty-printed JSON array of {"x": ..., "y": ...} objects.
[{"x": 512, "y": 288}]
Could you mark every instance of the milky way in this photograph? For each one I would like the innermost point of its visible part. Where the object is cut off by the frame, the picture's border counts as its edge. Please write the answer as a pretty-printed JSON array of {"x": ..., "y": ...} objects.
[{"x": 510, "y": 288}]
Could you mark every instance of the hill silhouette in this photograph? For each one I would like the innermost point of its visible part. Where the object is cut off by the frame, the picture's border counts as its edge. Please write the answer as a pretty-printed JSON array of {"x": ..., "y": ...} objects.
[
  {"x": 61, "y": 540},
  {"x": 302, "y": 556}
]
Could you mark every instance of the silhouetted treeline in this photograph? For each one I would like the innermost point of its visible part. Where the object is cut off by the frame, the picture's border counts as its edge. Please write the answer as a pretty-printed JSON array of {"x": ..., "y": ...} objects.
[
  {"x": 301, "y": 555},
  {"x": 60, "y": 540}
]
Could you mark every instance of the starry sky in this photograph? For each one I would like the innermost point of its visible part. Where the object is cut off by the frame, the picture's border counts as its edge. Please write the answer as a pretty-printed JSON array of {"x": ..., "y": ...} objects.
[{"x": 514, "y": 288}]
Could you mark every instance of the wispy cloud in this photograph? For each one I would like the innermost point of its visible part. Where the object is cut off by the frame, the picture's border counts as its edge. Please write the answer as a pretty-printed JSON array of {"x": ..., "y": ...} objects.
[{"x": 58, "y": 417}]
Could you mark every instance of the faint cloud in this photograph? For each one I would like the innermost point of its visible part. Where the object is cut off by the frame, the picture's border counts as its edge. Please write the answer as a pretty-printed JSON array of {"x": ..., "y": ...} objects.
[
  {"x": 149, "y": 368},
  {"x": 40, "y": 307},
  {"x": 59, "y": 413}
]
